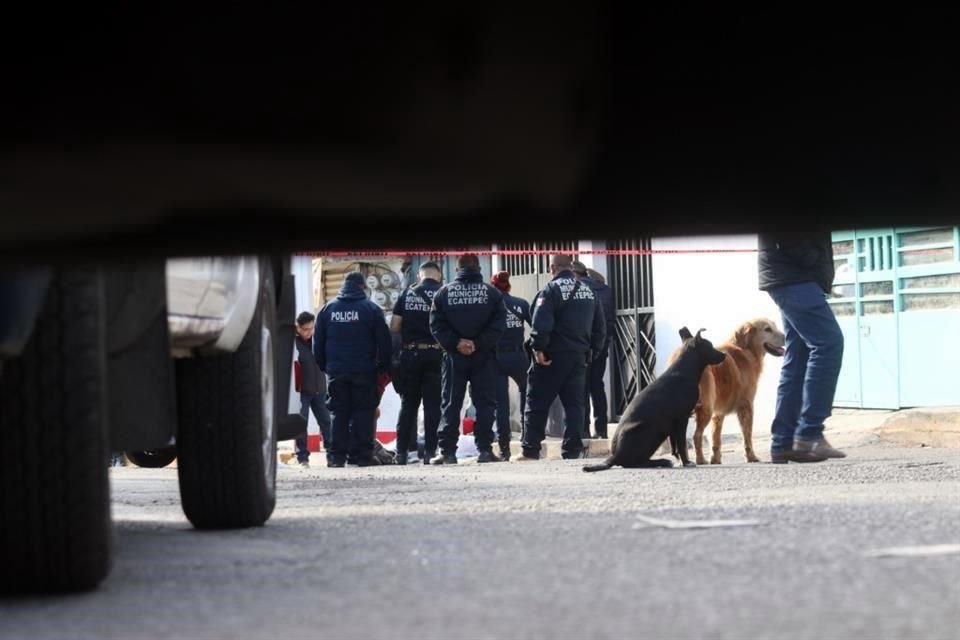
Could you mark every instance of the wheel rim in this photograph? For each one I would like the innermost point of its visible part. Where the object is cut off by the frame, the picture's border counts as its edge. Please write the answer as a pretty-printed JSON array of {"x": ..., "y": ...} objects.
[{"x": 267, "y": 375}]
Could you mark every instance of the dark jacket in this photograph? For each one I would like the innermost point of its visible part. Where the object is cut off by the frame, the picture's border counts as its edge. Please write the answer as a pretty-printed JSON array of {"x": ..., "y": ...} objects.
[
  {"x": 468, "y": 308},
  {"x": 795, "y": 258},
  {"x": 605, "y": 295},
  {"x": 352, "y": 335},
  {"x": 518, "y": 313},
  {"x": 413, "y": 306},
  {"x": 310, "y": 380},
  {"x": 564, "y": 322}
]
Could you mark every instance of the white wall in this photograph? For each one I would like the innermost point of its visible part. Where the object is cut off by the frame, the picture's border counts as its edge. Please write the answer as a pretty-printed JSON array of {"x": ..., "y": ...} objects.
[
  {"x": 302, "y": 269},
  {"x": 714, "y": 291},
  {"x": 597, "y": 262}
]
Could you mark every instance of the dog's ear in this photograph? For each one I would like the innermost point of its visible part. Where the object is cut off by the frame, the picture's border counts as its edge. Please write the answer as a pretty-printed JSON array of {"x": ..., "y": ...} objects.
[
  {"x": 685, "y": 333},
  {"x": 745, "y": 332},
  {"x": 699, "y": 332}
]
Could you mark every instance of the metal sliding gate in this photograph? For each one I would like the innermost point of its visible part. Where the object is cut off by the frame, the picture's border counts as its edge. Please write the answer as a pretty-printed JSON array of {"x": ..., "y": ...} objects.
[
  {"x": 634, "y": 354},
  {"x": 896, "y": 296}
]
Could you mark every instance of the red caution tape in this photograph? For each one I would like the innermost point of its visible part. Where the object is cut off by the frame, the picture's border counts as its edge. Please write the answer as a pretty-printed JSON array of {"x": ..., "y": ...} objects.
[{"x": 514, "y": 252}]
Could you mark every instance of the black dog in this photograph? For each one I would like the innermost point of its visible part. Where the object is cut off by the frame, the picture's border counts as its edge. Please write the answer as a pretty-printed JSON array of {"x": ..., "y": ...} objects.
[{"x": 662, "y": 410}]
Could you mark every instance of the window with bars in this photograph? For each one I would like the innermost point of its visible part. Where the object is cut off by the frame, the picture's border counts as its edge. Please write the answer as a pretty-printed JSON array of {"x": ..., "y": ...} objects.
[
  {"x": 528, "y": 262},
  {"x": 631, "y": 276}
]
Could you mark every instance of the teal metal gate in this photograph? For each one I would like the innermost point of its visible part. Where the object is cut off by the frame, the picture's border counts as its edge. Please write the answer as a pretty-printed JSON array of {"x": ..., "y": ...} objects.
[{"x": 897, "y": 298}]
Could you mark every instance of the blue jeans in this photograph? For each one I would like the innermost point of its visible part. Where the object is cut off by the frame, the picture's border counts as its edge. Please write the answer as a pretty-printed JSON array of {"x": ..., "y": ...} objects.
[
  {"x": 811, "y": 365},
  {"x": 313, "y": 402}
]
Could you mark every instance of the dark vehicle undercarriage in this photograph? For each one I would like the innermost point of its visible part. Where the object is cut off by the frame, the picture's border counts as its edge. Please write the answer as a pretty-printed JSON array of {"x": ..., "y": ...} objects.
[{"x": 586, "y": 117}]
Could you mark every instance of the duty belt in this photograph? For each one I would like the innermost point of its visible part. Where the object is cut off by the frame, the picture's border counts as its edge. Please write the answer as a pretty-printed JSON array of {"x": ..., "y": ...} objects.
[{"x": 421, "y": 345}]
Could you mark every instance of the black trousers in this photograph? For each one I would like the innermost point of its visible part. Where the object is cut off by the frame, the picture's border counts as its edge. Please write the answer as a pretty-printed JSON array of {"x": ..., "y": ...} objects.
[
  {"x": 352, "y": 399},
  {"x": 479, "y": 370},
  {"x": 419, "y": 378},
  {"x": 597, "y": 392},
  {"x": 566, "y": 377},
  {"x": 510, "y": 364}
]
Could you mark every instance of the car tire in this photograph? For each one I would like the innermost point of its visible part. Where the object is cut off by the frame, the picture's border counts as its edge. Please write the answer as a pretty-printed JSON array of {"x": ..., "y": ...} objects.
[
  {"x": 54, "y": 485},
  {"x": 227, "y": 416},
  {"x": 153, "y": 458}
]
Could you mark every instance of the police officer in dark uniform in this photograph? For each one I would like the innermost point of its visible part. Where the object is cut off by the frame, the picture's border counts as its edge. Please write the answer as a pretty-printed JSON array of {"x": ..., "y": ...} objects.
[
  {"x": 512, "y": 359},
  {"x": 352, "y": 344},
  {"x": 568, "y": 327},
  {"x": 467, "y": 319},
  {"x": 598, "y": 366},
  {"x": 421, "y": 359}
]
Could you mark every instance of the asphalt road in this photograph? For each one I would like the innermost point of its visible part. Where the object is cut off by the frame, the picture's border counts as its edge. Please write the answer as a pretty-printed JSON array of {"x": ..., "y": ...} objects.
[{"x": 537, "y": 550}]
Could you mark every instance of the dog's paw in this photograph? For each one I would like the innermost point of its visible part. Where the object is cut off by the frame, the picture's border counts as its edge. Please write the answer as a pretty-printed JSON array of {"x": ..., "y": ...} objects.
[
  {"x": 714, "y": 460},
  {"x": 689, "y": 464},
  {"x": 753, "y": 459}
]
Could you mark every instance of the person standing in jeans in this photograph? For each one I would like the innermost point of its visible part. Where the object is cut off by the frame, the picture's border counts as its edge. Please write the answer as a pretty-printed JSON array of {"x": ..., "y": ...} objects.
[
  {"x": 313, "y": 387},
  {"x": 797, "y": 271}
]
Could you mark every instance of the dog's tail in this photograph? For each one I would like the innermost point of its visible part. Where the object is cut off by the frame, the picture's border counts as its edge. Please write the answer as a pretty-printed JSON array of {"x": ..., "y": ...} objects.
[{"x": 603, "y": 466}]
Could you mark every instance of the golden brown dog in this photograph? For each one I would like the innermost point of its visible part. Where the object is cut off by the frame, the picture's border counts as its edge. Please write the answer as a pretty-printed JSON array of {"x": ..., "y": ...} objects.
[{"x": 731, "y": 386}]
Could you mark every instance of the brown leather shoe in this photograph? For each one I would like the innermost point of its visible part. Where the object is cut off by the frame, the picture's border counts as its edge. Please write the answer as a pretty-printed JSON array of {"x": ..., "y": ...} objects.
[
  {"x": 783, "y": 457},
  {"x": 820, "y": 447}
]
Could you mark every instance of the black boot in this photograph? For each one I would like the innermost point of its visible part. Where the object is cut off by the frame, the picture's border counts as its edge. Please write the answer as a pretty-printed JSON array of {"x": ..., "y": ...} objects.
[
  {"x": 444, "y": 458},
  {"x": 401, "y": 457},
  {"x": 487, "y": 456},
  {"x": 505, "y": 452},
  {"x": 428, "y": 456}
]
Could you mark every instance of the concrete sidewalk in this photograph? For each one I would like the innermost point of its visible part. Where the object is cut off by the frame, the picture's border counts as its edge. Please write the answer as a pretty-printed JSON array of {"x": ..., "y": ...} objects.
[
  {"x": 846, "y": 428},
  {"x": 924, "y": 427}
]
